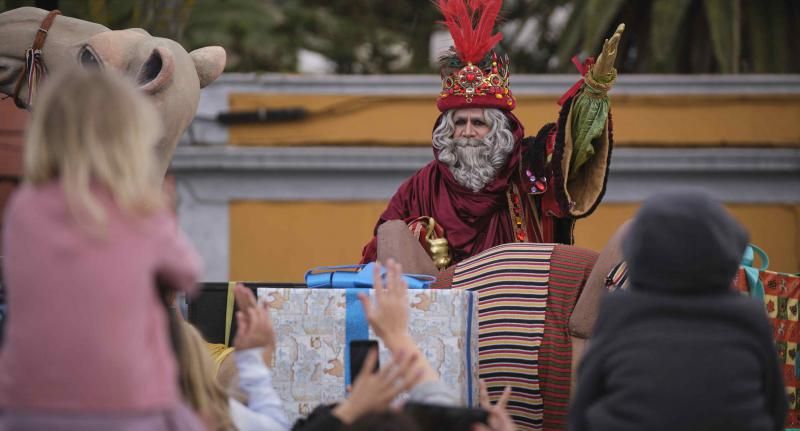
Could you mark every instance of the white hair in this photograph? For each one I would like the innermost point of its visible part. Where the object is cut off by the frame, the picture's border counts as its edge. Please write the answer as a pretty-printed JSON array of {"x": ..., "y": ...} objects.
[{"x": 475, "y": 162}]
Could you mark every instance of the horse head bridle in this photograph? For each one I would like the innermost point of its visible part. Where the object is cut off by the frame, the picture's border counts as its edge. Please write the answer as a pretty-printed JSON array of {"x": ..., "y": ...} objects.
[{"x": 34, "y": 63}]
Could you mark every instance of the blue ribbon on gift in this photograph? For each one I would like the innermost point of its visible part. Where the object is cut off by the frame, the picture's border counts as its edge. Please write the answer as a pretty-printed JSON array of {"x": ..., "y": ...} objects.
[
  {"x": 751, "y": 272},
  {"x": 357, "y": 276},
  {"x": 356, "y": 327},
  {"x": 355, "y": 279}
]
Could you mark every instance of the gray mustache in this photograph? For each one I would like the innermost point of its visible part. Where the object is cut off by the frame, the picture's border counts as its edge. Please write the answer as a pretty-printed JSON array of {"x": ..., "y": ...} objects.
[{"x": 469, "y": 142}]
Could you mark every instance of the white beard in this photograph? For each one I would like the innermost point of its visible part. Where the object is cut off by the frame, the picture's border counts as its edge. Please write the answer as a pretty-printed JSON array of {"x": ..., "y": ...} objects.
[{"x": 473, "y": 162}]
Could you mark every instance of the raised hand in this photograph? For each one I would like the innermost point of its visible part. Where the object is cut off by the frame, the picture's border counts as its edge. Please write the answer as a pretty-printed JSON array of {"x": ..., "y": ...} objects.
[
  {"x": 374, "y": 391},
  {"x": 254, "y": 327},
  {"x": 388, "y": 314},
  {"x": 605, "y": 61},
  {"x": 499, "y": 419},
  {"x": 244, "y": 297}
]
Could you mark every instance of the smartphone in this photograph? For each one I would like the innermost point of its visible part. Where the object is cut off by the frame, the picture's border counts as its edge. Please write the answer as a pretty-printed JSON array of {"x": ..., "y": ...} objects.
[
  {"x": 445, "y": 418},
  {"x": 358, "y": 353}
]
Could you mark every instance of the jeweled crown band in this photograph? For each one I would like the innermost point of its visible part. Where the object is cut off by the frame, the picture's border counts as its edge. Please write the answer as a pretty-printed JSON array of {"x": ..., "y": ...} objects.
[{"x": 473, "y": 86}]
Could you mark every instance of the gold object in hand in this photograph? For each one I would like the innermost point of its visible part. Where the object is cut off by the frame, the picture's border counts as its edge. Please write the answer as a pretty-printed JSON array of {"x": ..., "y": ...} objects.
[{"x": 439, "y": 248}]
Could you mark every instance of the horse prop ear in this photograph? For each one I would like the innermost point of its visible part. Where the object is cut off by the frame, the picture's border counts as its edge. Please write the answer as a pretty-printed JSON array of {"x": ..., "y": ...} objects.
[
  {"x": 157, "y": 71},
  {"x": 209, "y": 62}
]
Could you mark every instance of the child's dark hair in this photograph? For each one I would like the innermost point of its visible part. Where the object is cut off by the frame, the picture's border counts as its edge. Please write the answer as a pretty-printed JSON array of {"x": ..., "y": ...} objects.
[{"x": 385, "y": 421}]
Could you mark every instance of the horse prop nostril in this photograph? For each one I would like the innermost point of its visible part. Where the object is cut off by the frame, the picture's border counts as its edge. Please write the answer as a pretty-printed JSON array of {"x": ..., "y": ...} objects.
[{"x": 150, "y": 69}]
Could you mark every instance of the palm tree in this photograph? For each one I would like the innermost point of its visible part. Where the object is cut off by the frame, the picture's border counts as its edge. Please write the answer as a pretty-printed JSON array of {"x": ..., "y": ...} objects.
[{"x": 689, "y": 36}]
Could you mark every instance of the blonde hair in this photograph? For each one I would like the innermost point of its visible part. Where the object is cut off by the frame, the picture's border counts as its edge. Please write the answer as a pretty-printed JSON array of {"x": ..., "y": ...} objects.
[
  {"x": 94, "y": 128},
  {"x": 198, "y": 381}
]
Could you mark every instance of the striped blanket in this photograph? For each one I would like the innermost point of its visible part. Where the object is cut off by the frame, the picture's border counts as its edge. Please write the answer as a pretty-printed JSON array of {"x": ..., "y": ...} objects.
[
  {"x": 526, "y": 293},
  {"x": 569, "y": 269}
]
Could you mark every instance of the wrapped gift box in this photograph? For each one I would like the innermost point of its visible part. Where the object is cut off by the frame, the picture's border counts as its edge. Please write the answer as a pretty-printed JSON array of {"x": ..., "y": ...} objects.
[
  {"x": 314, "y": 326},
  {"x": 209, "y": 310}
]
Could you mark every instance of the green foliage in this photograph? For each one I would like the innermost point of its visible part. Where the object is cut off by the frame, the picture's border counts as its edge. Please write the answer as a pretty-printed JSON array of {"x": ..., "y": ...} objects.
[
  {"x": 598, "y": 17},
  {"x": 767, "y": 40},
  {"x": 689, "y": 36},
  {"x": 724, "y": 19},
  {"x": 359, "y": 36},
  {"x": 257, "y": 35},
  {"x": 13, "y": 4},
  {"x": 665, "y": 32},
  {"x": 531, "y": 53},
  {"x": 372, "y": 36}
]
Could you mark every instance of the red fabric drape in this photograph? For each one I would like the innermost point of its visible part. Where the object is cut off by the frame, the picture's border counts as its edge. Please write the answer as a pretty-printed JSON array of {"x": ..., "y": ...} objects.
[{"x": 472, "y": 221}]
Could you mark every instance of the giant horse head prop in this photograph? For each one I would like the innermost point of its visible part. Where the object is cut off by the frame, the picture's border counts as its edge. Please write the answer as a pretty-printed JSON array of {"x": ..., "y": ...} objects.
[{"x": 160, "y": 67}]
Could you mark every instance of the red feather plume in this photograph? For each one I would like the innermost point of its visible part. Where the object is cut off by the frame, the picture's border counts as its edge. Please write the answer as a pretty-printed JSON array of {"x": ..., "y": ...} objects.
[{"x": 472, "y": 39}]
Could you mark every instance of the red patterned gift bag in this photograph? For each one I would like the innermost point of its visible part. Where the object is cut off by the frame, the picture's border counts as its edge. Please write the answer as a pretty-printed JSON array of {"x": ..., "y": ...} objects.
[{"x": 780, "y": 293}]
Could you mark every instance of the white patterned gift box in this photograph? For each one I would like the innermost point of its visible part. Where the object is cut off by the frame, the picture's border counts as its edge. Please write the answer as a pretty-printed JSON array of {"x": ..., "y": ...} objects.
[{"x": 314, "y": 325}]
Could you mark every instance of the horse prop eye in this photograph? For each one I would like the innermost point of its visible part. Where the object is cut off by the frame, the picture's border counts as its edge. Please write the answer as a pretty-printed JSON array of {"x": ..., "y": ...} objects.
[{"x": 88, "y": 59}]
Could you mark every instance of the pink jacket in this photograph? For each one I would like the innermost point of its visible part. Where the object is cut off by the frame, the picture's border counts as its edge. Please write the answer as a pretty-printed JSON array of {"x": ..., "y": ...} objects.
[{"x": 85, "y": 330}]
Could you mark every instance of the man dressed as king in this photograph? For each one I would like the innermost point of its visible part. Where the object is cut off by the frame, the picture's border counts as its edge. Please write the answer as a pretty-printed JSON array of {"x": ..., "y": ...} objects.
[{"x": 489, "y": 184}]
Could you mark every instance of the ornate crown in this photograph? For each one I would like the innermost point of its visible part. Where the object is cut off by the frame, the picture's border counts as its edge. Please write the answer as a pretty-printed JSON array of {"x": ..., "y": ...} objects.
[
  {"x": 473, "y": 75},
  {"x": 483, "y": 85}
]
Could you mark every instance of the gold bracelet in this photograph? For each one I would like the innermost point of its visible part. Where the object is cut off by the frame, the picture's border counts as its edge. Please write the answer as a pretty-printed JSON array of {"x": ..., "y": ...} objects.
[{"x": 599, "y": 87}]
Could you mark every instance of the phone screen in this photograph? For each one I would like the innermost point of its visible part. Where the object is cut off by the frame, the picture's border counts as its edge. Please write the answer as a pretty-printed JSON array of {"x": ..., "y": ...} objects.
[{"x": 358, "y": 353}]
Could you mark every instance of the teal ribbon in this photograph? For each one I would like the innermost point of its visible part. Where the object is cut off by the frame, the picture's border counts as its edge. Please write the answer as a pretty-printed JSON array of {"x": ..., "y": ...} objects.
[
  {"x": 356, "y": 327},
  {"x": 753, "y": 280},
  {"x": 323, "y": 278},
  {"x": 357, "y": 277}
]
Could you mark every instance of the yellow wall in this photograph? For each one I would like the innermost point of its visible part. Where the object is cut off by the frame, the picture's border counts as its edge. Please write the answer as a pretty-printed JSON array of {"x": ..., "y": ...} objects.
[
  {"x": 672, "y": 120},
  {"x": 279, "y": 241}
]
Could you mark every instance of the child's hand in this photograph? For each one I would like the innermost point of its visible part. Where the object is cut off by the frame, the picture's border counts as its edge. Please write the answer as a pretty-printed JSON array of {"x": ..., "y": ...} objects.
[
  {"x": 244, "y": 297},
  {"x": 254, "y": 325},
  {"x": 374, "y": 391},
  {"x": 388, "y": 314},
  {"x": 499, "y": 419}
]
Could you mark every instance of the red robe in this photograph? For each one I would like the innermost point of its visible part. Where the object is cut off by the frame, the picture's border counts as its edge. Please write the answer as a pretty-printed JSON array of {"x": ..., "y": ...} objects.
[{"x": 472, "y": 221}]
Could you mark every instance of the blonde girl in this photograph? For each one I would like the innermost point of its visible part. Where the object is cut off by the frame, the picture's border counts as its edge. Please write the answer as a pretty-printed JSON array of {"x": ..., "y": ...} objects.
[{"x": 86, "y": 239}]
